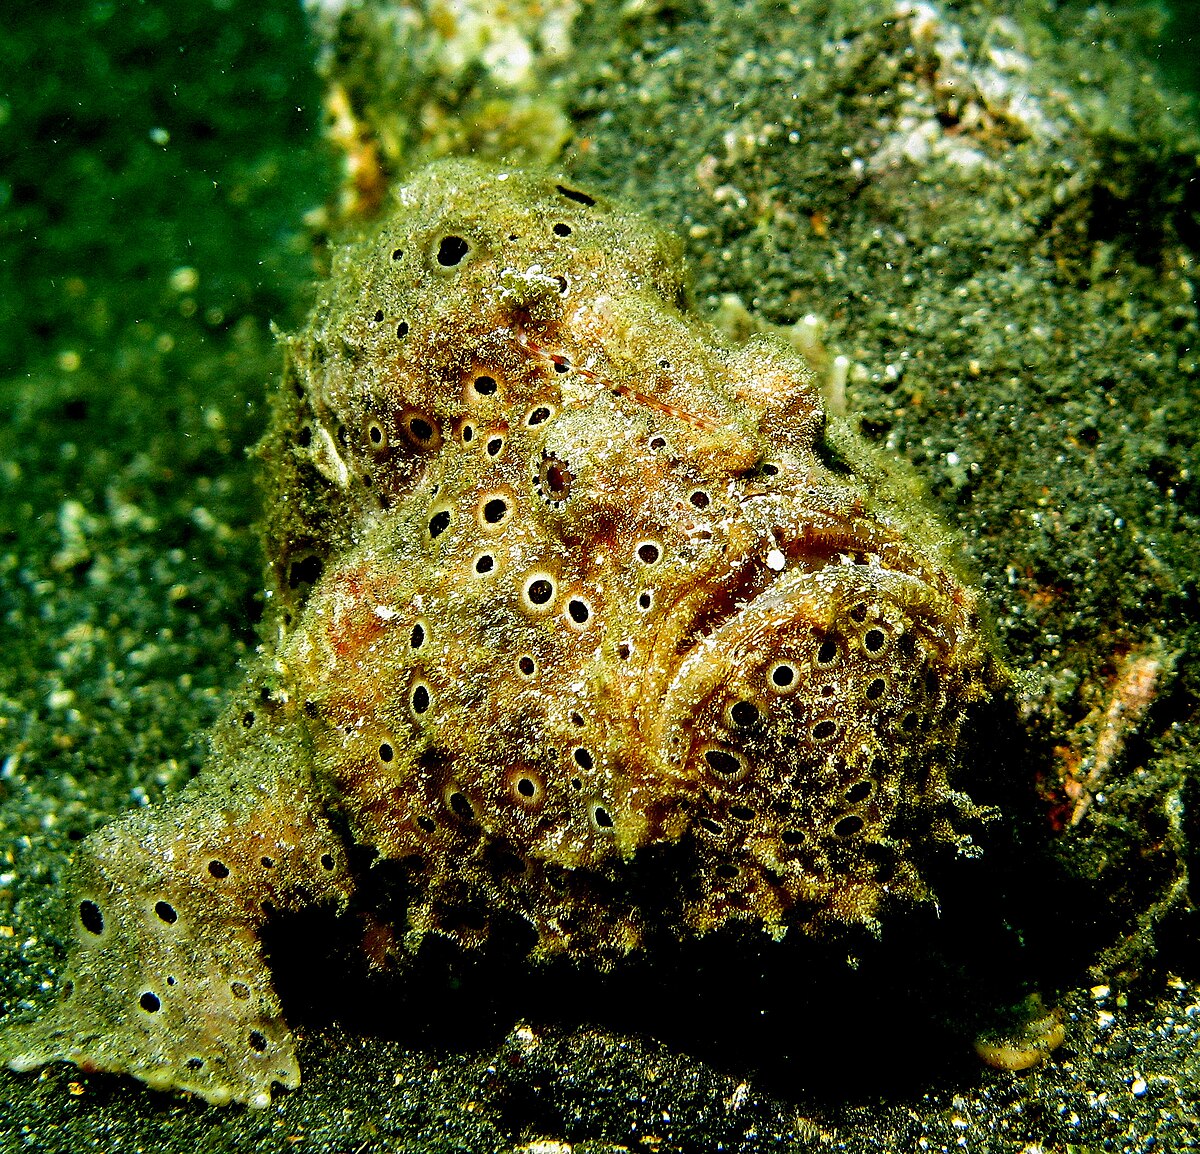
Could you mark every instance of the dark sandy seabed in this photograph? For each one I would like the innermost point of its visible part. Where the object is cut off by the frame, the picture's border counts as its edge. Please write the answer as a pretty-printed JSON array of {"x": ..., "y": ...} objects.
[{"x": 1023, "y": 333}]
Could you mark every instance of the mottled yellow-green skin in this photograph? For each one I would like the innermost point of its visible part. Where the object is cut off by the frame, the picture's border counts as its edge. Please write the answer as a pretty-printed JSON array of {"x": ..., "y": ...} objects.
[{"x": 563, "y": 584}]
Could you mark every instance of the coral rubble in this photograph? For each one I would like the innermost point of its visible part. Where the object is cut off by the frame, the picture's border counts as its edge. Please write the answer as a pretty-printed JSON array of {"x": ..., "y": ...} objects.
[{"x": 561, "y": 581}]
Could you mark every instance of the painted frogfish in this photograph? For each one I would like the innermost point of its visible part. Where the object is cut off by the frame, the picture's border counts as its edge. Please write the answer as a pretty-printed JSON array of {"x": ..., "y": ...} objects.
[{"x": 568, "y": 592}]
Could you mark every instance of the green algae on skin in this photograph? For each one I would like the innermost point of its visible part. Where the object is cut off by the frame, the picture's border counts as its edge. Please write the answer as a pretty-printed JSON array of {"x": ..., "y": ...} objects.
[{"x": 560, "y": 577}]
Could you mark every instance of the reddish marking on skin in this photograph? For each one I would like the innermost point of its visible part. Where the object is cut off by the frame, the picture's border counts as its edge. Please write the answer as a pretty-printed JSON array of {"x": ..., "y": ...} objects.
[
  {"x": 354, "y": 623},
  {"x": 563, "y": 364},
  {"x": 379, "y": 942}
]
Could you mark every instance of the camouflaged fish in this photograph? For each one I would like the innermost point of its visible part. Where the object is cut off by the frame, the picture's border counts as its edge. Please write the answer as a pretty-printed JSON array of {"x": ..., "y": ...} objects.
[{"x": 566, "y": 589}]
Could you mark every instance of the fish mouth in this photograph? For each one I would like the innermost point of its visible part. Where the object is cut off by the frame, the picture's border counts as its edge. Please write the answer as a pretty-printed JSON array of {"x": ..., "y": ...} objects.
[
  {"x": 824, "y": 546},
  {"x": 776, "y": 562},
  {"x": 782, "y": 604}
]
